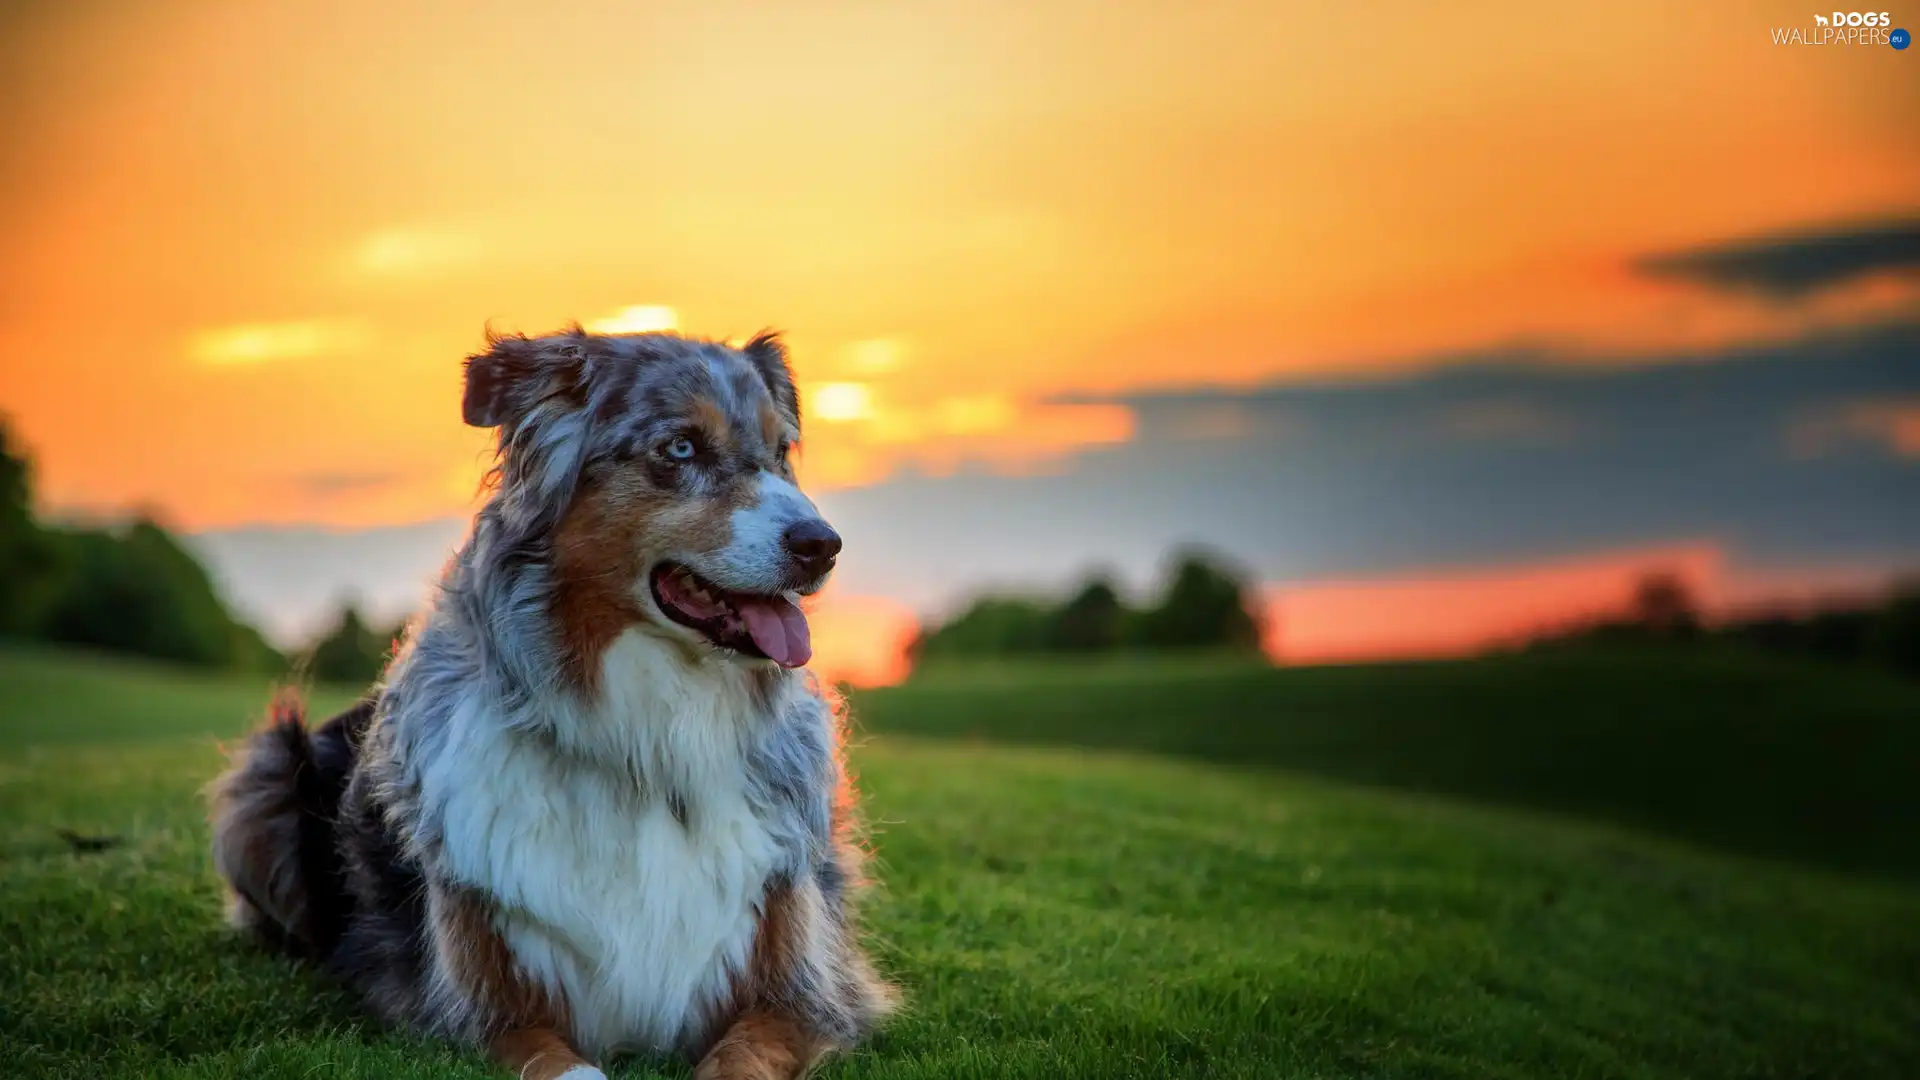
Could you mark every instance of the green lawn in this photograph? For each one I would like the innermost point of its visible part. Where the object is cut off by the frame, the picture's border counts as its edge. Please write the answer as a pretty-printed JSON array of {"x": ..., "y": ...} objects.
[
  {"x": 1066, "y": 913},
  {"x": 1744, "y": 751}
]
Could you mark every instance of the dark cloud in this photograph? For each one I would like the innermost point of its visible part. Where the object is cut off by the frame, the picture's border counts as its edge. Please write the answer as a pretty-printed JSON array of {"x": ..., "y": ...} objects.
[
  {"x": 1788, "y": 266},
  {"x": 1508, "y": 458},
  {"x": 1771, "y": 450}
]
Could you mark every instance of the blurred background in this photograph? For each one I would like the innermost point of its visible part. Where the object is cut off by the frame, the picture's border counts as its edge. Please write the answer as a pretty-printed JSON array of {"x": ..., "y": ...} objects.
[
  {"x": 1329, "y": 334},
  {"x": 1380, "y": 537},
  {"x": 1438, "y": 328}
]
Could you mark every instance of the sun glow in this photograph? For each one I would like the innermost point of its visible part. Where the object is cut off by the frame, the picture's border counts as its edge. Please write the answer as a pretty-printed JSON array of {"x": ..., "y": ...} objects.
[
  {"x": 638, "y": 319},
  {"x": 838, "y": 402},
  {"x": 315, "y": 241}
]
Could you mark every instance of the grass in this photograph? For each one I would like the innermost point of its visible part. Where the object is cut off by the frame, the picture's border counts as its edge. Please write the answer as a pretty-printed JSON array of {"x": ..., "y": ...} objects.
[
  {"x": 1052, "y": 912},
  {"x": 1751, "y": 752}
]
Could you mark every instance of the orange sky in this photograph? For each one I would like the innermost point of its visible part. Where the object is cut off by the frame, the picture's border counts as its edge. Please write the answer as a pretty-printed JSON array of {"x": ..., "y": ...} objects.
[
  {"x": 248, "y": 243},
  {"x": 1461, "y": 612}
]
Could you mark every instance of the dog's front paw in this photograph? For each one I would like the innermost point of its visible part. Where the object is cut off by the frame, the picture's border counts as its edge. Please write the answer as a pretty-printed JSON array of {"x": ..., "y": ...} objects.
[{"x": 582, "y": 1072}]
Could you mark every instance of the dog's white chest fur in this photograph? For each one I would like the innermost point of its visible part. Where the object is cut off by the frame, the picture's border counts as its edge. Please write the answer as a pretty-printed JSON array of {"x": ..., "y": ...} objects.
[{"x": 638, "y": 919}]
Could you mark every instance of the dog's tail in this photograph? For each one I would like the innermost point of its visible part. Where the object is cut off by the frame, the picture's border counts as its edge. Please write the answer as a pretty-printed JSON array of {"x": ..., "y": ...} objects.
[{"x": 274, "y": 812}]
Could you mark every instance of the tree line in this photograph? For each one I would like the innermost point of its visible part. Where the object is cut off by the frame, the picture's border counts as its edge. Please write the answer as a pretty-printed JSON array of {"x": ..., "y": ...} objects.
[
  {"x": 1877, "y": 631},
  {"x": 1203, "y": 604},
  {"x": 134, "y": 588}
]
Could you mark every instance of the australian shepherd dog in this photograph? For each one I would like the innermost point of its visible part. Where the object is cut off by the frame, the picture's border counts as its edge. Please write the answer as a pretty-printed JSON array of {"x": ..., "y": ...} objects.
[{"x": 596, "y": 805}]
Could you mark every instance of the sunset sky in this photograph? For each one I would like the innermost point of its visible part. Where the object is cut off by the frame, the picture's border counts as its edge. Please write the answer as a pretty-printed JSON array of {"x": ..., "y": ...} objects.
[{"x": 1046, "y": 270}]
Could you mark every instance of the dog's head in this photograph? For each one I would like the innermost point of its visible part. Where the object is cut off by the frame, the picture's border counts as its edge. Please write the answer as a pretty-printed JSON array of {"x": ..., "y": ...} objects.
[{"x": 657, "y": 471}]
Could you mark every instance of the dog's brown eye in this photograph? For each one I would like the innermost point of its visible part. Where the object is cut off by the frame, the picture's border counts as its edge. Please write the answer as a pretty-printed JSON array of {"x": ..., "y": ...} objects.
[{"x": 785, "y": 448}]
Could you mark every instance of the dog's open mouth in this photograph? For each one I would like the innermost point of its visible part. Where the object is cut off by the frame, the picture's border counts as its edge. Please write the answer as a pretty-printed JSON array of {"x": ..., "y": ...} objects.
[{"x": 769, "y": 626}]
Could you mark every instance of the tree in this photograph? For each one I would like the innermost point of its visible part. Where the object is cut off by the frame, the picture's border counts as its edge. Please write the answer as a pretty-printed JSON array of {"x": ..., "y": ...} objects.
[
  {"x": 1894, "y": 640},
  {"x": 131, "y": 589},
  {"x": 991, "y": 626},
  {"x": 29, "y": 560},
  {"x": 138, "y": 591},
  {"x": 352, "y": 653},
  {"x": 1094, "y": 620},
  {"x": 1663, "y": 605},
  {"x": 1205, "y": 605}
]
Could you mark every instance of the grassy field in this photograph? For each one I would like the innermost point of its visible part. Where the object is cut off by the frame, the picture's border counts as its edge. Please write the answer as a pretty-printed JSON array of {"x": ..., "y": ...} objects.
[
  {"x": 1744, "y": 751},
  {"x": 1067, "y": 913}
]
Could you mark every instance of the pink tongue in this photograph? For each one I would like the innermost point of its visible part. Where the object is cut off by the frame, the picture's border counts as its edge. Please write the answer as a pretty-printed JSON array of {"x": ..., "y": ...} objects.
[{"x": 778, "y": 628}]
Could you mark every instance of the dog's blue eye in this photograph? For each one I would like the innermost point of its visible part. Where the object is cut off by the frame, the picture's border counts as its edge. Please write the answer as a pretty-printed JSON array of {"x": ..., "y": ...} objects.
[{"x": 681, "y": 449}]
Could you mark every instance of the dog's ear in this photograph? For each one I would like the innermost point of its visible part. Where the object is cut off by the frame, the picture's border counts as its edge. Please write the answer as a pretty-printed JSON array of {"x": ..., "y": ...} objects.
[
  {"x": 485, "y": 403},
  {"x": 769, "y": 356},
  {"x": 513, "y": 374}
]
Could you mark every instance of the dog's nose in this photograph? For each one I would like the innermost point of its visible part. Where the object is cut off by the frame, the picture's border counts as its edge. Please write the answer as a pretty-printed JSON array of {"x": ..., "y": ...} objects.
[{"x": 813, "y": 544}]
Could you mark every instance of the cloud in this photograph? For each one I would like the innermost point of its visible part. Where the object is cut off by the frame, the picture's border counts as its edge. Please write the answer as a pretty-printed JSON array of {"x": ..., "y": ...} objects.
[
  {"x": 408, "y": 251},
  {"x": 1789, "y": 266},
  {"x": 263, "y": 342},
  {"x": 865, "y": 439},
  {"x": 1885, "y": 426},
  {"x": 1511, "y": 421},
  {"x": 328, "y": 484},
  {"x": 1517, "y": 457},
  {"x": 1340, "y": 491}
]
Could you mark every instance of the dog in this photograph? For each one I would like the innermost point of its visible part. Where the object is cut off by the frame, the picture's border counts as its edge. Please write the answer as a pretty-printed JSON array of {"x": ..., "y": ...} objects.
[{"x": 595, "y": 805}]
